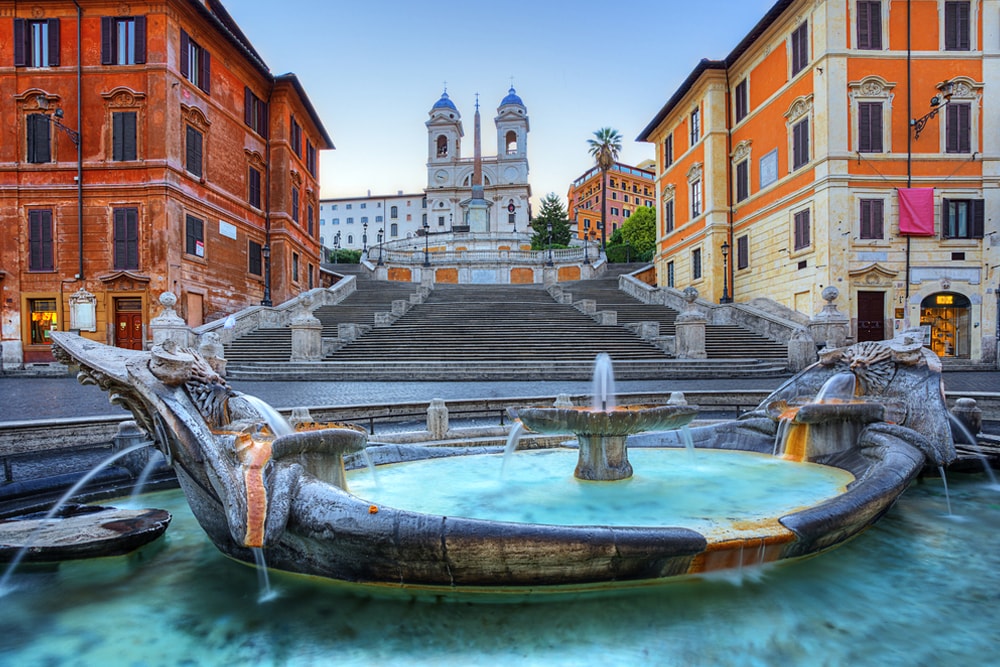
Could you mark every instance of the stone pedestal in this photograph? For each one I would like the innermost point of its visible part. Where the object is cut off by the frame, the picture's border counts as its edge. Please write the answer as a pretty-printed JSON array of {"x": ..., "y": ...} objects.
[
  {"x": 307, "y": 335},
  {"x": 970, "y": 416},
  {"x": 130, "y": 435},
  {"x": 690, "y": 326},
  {"x": 211, "y": 348},
  {"x": 168, "y": 325},
  {"x": 830, "y": 326}
]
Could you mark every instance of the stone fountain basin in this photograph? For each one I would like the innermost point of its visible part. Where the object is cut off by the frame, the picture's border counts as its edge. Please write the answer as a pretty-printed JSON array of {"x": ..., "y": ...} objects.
[
  {"x": 390, "y": 550},
  {"x": 618, "y": 421}
]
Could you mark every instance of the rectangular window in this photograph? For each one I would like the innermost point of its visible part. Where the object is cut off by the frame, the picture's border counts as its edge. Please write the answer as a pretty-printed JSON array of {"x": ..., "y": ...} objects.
[
  {"x": 193, "y": 151},
  {"x": 800, "y": 143},
  {"x": 696, "y": 199},
  {"x": 743, "y": 252},
  {"x": 254, "y": 263},
  {"x": 123, "y": 136},
  {"x": 194, "y": 237},
  {"x": 196, "y": 63},
  {"x": 36, "y": 43},
  {"x": 309, "y": 219},
  {"x": 295, "y": 204},
  {"x": 872, "y": 219},
  {"x": 742, "y": 100},
  {"x": 958, "y": 120},
  {"x": 962, "y": 218},
  {"x": 614, "y": 210},
  {"x": 295, "y": 137},
  {"x": 801, "y": 232},
  {"x": 957, "y": 28},
  {"x": 254, "y": 112},
  {"x": 668, "y": 151},
  {"x": 696, "y": 264},
  {"x": 670, "y": 274},
  {"x": 39, "y": 131},
  {"x": 123, "y": 40},
  {"x": 870, "y": 127},
  {"x": 311, "y": 158},
  {"x": 40, "y": 247},
  {"x": 295, "y": 266},
  {"x": 695, "y": 126},
  {"x": 800, "y": 48},
  {"x": 253, "y": 179},
  {"x": 869, "y": 24},
  {"x": 668, "y": 216},
  {"x": 742, "y": 180},
  {"x": 126, "y": 222}
]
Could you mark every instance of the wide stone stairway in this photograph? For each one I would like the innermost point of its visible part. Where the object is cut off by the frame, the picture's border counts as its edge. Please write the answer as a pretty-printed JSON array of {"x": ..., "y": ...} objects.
[
  {"x": 495, "y": 332},
  {"x": 461, "y": 323},
  {"x": 722, "y": 341}
]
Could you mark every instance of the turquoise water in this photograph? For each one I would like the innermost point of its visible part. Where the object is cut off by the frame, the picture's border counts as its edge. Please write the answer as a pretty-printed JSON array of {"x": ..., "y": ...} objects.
[
  {"x": 670, "y": 487},
  {"x": 919, "y": 588}
]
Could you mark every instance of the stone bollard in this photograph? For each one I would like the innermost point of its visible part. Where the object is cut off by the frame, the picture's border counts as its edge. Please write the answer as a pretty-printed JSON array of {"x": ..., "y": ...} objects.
[
  {"x": 968, "y": 414},
  {"x": 129, "y": 435},
  {"x": 690, "y": 327},
  {"x": 307, "y": 334},
  {"x": 437, "y": 419},
  {"x": 606, "y": 317},
  {"x": 384, "y": 319},
  {"x": 400, "y": 306},
  {"x": 801, "y": 350},
  {"x": 299, "y": 417},
  {"x": 586, "y": 306}
]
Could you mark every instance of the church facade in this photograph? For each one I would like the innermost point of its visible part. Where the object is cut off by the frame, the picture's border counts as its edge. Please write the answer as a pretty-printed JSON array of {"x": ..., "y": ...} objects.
[{"x": 451, "y": 204}]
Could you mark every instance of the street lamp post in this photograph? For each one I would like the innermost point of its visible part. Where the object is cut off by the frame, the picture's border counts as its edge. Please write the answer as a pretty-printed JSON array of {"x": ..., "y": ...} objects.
[
  {"x": 364, "y": 239},
  {"x": 266, "y": 252},
  {"x": 336, "y": 247},
  {"x": 427, "y": 235},
  {"x": 380, "y": 262},
  {"x": 549, "y": 224},
  {"x": 725, "y": 273}
]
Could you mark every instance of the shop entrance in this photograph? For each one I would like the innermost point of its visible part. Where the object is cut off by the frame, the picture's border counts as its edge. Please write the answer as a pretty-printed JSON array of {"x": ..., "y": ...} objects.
[
  {"x": 128, "y": 323},
  {"x": 945, "y": 319}
]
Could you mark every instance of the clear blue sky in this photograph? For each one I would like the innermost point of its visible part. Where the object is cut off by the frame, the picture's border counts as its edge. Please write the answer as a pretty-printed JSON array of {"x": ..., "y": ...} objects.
[{"x": 373, "y": 69}]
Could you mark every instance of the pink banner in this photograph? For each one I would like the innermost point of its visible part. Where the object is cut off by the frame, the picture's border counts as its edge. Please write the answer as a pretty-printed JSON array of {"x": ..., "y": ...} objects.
[{"x": 916, "y": 211}]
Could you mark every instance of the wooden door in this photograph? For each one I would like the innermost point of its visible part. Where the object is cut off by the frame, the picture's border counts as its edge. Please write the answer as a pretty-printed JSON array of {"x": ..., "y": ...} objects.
[
  {"x": 871, "y": 316},
  {"x": 128, "y": 324}
]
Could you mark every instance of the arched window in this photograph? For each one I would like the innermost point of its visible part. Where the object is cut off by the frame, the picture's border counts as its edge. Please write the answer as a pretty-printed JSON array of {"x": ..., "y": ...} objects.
[
  {"x": 393, "y": 212},
  {"x": 394, "y": 229},
  {"x": 442, "y": 146},
  {"x": 350, "y": 239},
  {"x": 945, "y": 318},
  {"x": 511, "y": 143}
]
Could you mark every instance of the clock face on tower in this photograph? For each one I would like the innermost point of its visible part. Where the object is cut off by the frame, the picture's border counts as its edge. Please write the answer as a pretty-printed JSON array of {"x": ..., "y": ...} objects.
[{"x": 441, "y": 176}]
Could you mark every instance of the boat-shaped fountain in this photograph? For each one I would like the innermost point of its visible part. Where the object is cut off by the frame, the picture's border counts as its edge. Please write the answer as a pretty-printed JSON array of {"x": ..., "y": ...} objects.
[{"x": 253, "y": 488}]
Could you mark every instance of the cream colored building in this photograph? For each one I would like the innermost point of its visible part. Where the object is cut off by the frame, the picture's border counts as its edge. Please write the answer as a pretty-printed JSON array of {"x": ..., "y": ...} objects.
[{"x": 780, "y": 168}]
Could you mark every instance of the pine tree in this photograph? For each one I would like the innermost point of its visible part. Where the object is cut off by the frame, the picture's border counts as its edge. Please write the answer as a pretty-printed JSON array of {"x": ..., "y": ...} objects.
[{"x": 554, "y": 212}]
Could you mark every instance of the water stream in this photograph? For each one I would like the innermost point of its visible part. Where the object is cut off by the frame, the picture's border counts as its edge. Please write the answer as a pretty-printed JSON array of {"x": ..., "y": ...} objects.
[
  {"x": 603, "y": 389},
  {"x": 66, "y": 497}
]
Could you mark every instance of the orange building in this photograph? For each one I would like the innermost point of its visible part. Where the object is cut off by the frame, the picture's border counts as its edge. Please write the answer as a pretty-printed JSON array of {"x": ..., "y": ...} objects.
[
  {"x": 148, "y": 148},
  {"x": 627, "y": 187},
  {"x": 852, "y": 143}
]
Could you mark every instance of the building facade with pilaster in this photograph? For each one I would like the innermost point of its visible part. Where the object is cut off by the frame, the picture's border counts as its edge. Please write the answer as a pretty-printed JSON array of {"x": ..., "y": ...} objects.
[{"x": 845, "y": 143}]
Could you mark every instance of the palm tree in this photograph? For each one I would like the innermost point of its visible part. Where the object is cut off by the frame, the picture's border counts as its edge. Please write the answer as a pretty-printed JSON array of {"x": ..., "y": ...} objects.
[{"x": 605, "y": 148}]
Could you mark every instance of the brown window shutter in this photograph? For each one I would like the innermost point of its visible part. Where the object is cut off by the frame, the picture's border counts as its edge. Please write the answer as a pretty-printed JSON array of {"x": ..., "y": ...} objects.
[
  {"x": 20, "y": 47},
  {"x": 107, "y": 45},
  {"x": 53, "y": 42},
  {"x": 206, "y": 71},
  {"x": 977, "y": 215},
  {"x": 185, "y": 65},
  {"x": 248, "y": 106},
  {"x": 140, "y": 40}
]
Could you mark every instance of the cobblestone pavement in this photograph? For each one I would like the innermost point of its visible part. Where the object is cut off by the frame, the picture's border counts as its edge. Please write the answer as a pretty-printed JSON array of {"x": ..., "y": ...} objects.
[{"x": 29, "y": 398}]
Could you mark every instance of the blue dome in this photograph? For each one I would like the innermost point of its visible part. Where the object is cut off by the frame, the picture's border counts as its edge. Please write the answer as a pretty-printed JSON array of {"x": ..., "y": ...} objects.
[
  {"x": 512, "y": 98},
  {"x": 444, "y": 103}
]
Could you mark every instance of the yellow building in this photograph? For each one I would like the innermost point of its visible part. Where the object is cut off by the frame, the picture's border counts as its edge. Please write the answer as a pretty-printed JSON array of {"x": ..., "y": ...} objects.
[
  {"x": 852, "y": 143},
  {"x": 628, "y": 188}
]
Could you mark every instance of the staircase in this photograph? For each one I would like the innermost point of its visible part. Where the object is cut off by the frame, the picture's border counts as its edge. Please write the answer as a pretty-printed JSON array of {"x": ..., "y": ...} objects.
[{"x": 722, "y": 341}]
